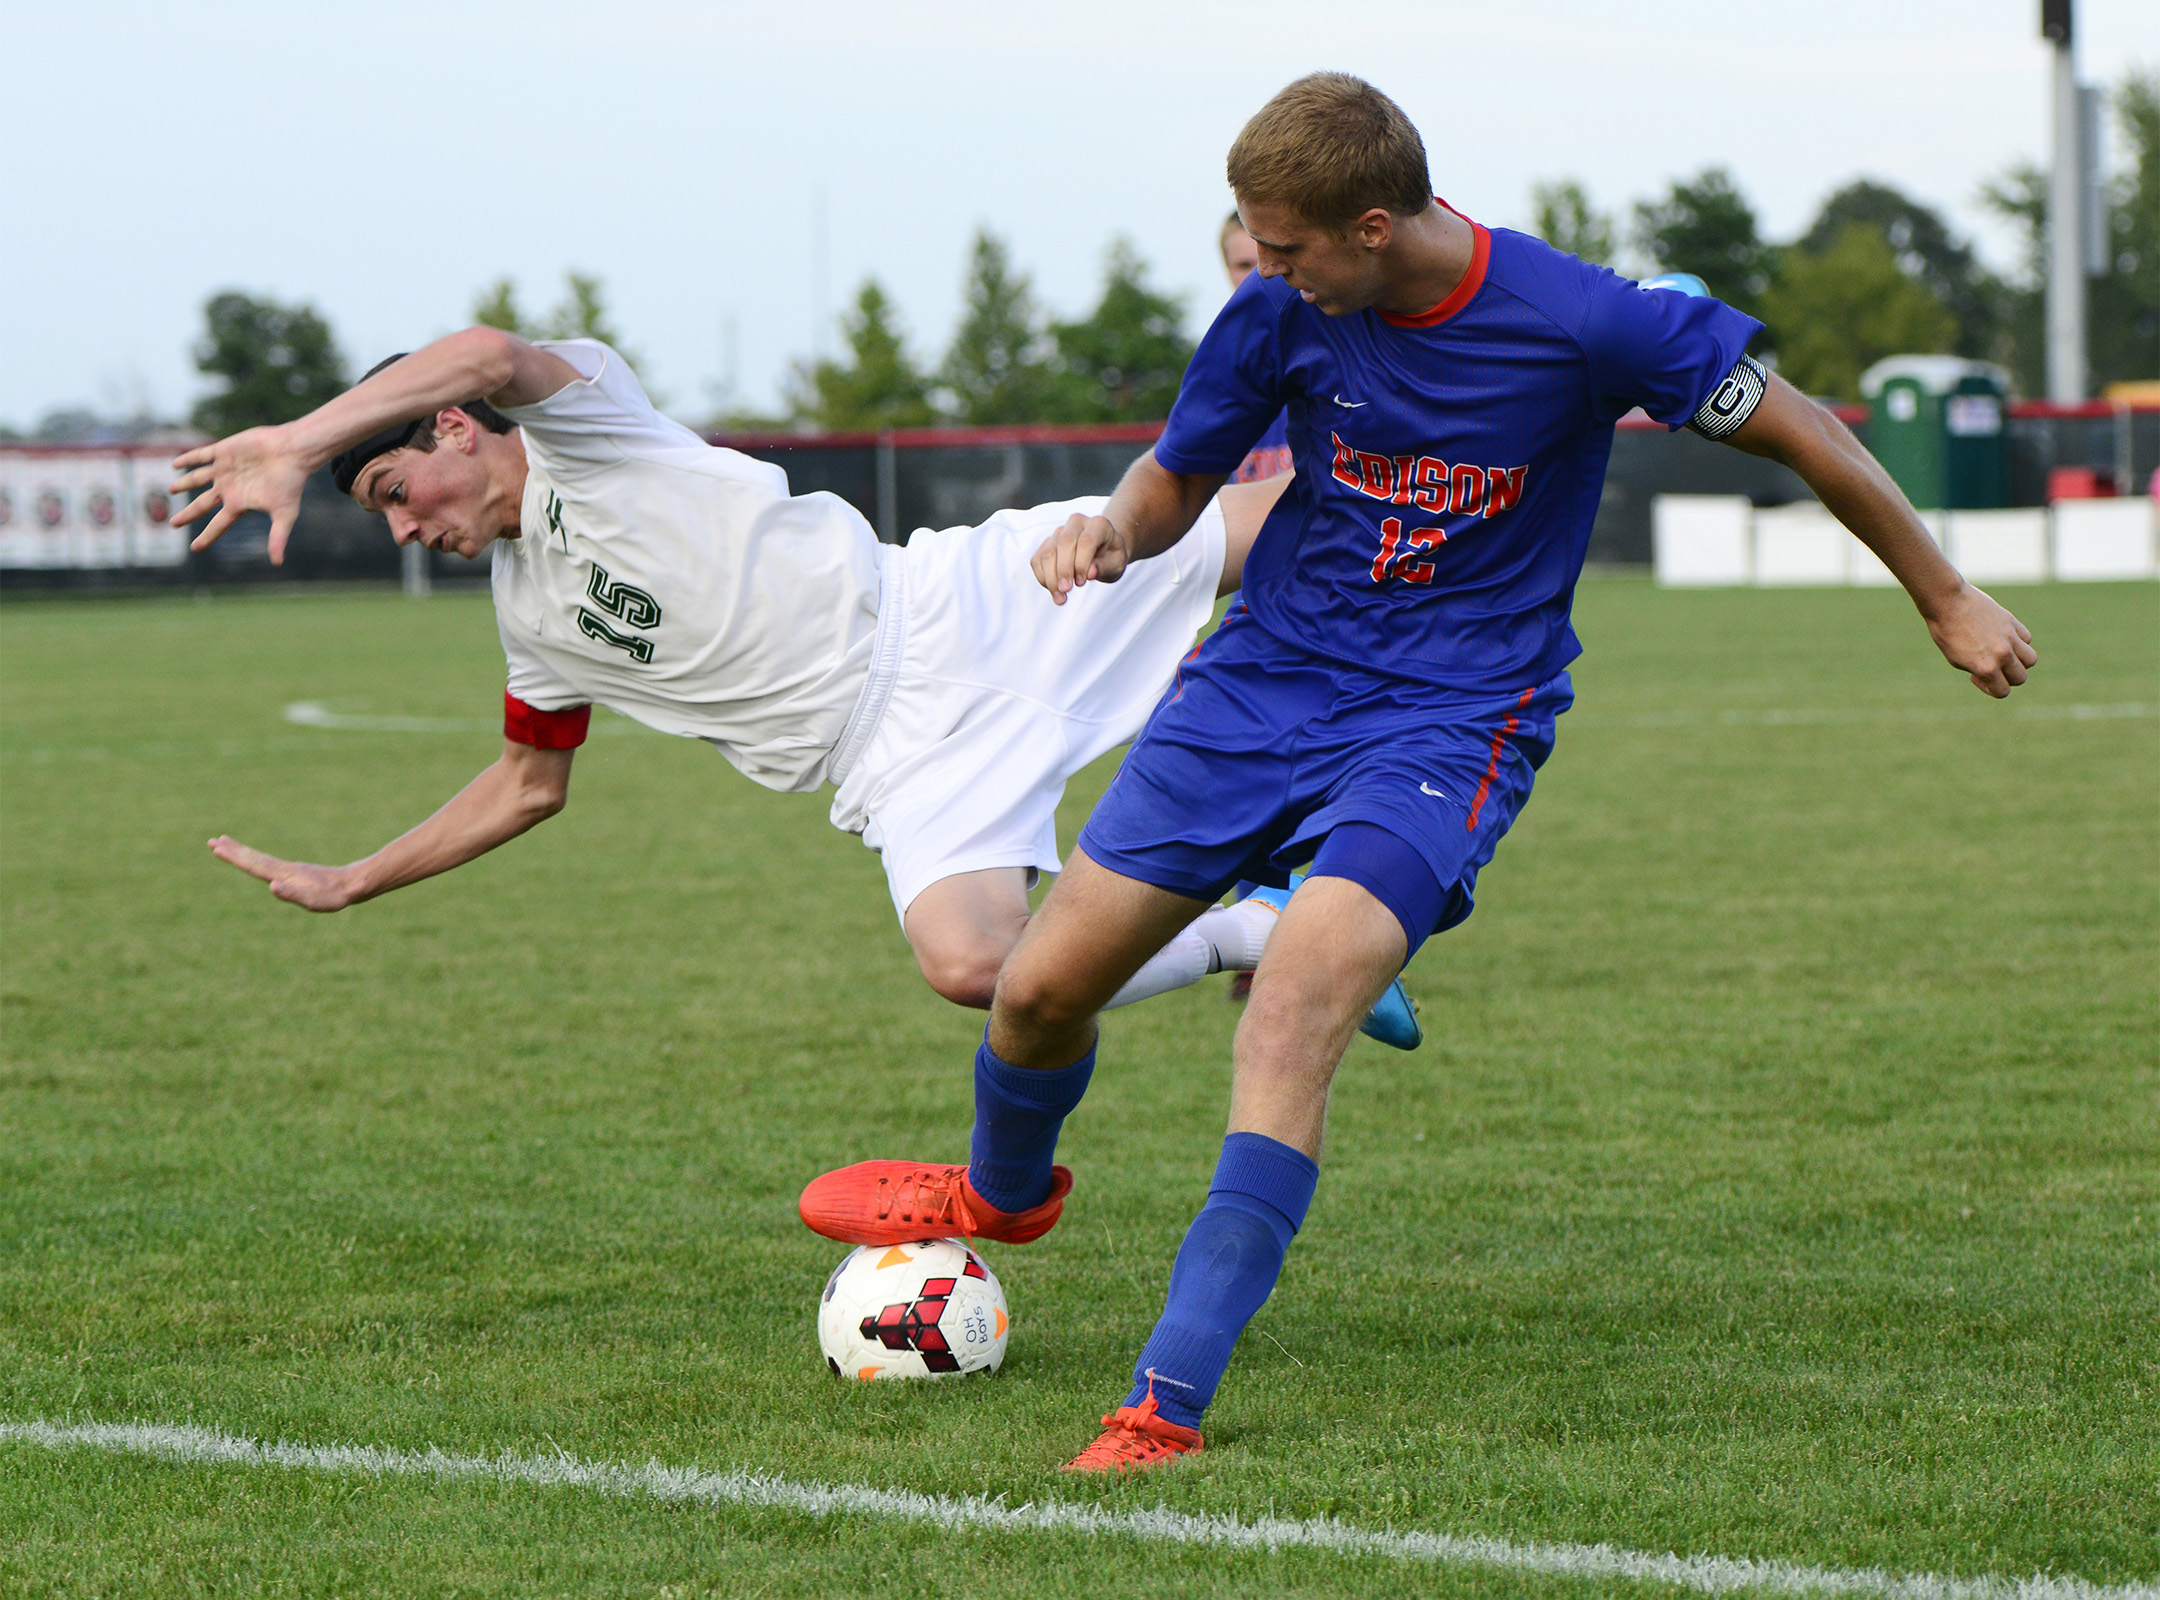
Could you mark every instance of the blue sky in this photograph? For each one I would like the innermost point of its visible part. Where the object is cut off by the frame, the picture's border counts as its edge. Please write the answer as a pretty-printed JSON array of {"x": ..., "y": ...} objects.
[{"x": 387, "y": 161}]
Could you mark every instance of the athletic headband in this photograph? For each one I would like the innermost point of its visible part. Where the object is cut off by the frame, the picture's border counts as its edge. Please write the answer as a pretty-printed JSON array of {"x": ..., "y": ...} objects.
[{"x": 345, "y": 466}]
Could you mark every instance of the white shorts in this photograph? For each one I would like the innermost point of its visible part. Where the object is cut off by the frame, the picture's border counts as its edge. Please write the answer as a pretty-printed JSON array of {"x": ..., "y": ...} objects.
[{"x": 1001, "y": 695}]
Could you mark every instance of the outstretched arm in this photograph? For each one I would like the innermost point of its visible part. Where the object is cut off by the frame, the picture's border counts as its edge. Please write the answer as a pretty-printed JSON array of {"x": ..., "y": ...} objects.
[
  {"x": 264, "y": 469},
  {"x": 524, "y": 787},
  {"x": 1152, "y": 509},
  {"x": 1975, "y": 635}
]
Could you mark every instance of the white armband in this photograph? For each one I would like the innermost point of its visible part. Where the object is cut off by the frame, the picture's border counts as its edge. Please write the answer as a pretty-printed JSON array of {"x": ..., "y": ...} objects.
[{"x": 1733, "y": 401}]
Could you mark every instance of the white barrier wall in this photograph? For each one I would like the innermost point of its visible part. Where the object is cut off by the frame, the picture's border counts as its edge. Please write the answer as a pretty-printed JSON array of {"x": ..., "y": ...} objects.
[
  {"x": 87, "y": 508},
  {"x": 1719, "y": 540},
  {"x": 2102, "y": 540},
  {"x": 2000, "y": 546},
  {"x": 1702, "y": 540},
  {"x": 1800, "y": 544}
]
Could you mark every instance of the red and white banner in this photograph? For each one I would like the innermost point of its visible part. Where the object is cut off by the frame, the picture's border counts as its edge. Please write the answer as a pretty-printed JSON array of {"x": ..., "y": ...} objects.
[{"x": 87, "y": 506}]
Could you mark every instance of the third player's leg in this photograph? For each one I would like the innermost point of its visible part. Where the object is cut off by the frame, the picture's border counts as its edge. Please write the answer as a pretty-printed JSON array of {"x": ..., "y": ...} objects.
[
  {"x": 963, "y": 927},
  {"x": 1245, "y": 507},
  {"x": 1334, "y": 951},
  {"x": 1094, "y": 931}
]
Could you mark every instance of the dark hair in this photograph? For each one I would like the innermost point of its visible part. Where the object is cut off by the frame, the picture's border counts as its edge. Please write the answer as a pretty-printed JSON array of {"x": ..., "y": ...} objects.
[
  {"x": 1331, "y": 147},
  {"x": 418, "y": 434}
]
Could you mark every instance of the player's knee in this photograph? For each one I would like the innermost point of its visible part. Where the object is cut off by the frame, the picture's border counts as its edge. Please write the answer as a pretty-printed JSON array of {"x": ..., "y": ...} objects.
[
  {"x": 1295, "y": 999},
  {"x": 964, "y": 973},
  {"x": 1039, "y": 999}
]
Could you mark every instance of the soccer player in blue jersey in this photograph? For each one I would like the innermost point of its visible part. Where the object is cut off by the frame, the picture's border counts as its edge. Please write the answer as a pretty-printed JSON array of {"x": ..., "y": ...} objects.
[{"x": 1380, "y": 702}]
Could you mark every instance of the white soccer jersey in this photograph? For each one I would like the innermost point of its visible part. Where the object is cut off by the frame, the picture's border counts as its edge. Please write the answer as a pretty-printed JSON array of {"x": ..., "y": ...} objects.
[{"x": 680, "y": 584}]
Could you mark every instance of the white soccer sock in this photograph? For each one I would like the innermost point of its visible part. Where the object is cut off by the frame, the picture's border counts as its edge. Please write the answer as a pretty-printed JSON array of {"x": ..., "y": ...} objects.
[
  {"x": 1220, "y": 939},
  {"x": 1238, "y": 932},
  {"x": 1182, "y": 961}
]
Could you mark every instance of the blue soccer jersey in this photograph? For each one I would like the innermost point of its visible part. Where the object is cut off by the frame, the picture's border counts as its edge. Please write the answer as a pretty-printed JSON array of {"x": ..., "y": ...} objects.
[
  {"x": 1271, "y": 457},
  {"x": 1449, "y": 463}
]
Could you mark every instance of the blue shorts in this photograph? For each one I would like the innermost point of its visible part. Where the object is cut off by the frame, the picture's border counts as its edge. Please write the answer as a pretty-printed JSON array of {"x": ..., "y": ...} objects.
[{"x": 1259, "y": 751}]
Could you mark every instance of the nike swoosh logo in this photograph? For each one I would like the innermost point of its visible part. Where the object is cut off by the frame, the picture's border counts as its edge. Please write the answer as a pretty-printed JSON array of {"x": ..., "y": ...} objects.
[
  {"x": 1351, "y": 405},
  {"x": 1427, "y": 788}
]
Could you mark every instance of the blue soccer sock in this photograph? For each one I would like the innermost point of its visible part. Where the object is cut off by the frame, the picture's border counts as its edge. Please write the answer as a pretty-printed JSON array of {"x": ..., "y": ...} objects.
[
  {"x": 1225, "y": 1271},
  {"x": 1018, "y": 1112}
]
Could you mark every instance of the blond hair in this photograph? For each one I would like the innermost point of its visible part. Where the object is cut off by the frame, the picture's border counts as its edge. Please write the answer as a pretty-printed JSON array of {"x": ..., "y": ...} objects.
[{"x": 1331, "y": 147}]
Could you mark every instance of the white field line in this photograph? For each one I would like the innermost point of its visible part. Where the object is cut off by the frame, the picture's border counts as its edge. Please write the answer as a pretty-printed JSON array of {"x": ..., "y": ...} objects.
[
  {"x": 1704, "y": 1574},
  {"x": 1805, "y": 718},
  {"x": 316, "y": 714}
]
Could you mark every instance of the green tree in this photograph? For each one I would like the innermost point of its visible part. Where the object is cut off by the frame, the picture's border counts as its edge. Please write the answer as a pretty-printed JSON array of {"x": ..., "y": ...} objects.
[
  {"x": 496, "y": 307},
  {"x": 1837, "y": 311},
  {"x": 1927, "y": 252},
  {"x": 1123, "y": 362},
  {"x": 2125, "y": 304},
  {"x": 878, "y": 385},
  {"x": 1562, "y": 216},
  {"x": 581, "y": 314},
  {"x": 997, "y": 368},
  {"x": 1705, "y": 225},
  {"x": 274, "y": 362},
  {"x": 2122, "y": 305},
  {"x": 2020, "y": 195}
]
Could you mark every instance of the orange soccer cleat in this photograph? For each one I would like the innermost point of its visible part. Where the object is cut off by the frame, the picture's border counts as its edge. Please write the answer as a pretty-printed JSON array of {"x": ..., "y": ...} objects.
[
  {"x": 1134, "y": 1437},
  {"x": 895, "y": 1202}
]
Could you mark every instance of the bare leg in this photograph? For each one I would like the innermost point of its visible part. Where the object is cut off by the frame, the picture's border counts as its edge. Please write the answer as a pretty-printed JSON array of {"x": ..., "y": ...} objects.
[
  {"x": 1092, "y": 933},
  {"x": 1244, "y": 507},
  {"x": 963, "y": 927},
  {"x": 1335, "y": 950}
]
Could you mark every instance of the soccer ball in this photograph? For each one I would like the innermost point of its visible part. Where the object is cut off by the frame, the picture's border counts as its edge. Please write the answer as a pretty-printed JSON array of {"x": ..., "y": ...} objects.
[{"x": 925, "y": 1310}]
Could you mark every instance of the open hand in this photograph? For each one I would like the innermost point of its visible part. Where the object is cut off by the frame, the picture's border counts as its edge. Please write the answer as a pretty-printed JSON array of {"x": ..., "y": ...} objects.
[
  {"x": 1984, "y": 641},
  {"x": 1085, "y": 548},
  {"x": 301, "y": 882},
  {"x": 259, "y": 470}
]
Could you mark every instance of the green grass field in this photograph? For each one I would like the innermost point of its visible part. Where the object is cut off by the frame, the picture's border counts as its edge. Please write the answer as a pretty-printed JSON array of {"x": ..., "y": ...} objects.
[{"x": 1780, "y": 1177}]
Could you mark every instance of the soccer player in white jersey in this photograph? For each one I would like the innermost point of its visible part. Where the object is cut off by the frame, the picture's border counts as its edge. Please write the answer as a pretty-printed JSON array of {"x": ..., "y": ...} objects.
[{"x": 639, "y": 568}]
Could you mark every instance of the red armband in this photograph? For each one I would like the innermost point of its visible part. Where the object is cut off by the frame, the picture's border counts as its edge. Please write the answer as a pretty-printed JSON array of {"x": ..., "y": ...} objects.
[{"x": 544, "y": 730}]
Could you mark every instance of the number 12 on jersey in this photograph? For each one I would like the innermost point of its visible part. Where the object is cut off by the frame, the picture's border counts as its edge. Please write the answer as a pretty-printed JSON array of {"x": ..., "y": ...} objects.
[{"x": 1397, "y": 557}]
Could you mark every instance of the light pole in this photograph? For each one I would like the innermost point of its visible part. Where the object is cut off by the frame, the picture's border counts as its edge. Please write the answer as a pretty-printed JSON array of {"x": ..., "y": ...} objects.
[{"x": 2065, "y": 215}]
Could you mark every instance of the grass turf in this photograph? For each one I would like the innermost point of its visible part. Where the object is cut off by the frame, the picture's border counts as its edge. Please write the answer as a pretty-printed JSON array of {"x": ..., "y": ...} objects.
[{"x": 1779, "y": 1177}]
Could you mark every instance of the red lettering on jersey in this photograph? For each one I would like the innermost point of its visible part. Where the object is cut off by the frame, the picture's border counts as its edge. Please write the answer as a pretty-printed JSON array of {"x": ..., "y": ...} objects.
[
  {"x": 1402, "y": 479},
  {"x": 1390, "y": 532},
  {"x": 1431, "y": 491},
  {"x": 1395, "y": 547},
  {"x": 1469, "y": 486},
  {"x": 1345, "y": 470},
  {"x": 1376, "y": 476},
  {"x": 1503, "y": 487},
  {"x": 1420, "y": 539}
]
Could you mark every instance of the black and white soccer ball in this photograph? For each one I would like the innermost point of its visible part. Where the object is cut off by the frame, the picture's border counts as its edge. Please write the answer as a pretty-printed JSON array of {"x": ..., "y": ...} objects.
[{"x": 932, "y": 1309}]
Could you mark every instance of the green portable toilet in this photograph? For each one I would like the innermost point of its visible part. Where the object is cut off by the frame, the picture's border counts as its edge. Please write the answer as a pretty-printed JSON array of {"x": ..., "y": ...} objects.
[{"x": 1936, "y": 425}]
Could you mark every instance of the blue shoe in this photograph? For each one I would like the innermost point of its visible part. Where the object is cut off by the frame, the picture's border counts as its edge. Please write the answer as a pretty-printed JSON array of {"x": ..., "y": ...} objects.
[{"x": 1393, "y": 1020}]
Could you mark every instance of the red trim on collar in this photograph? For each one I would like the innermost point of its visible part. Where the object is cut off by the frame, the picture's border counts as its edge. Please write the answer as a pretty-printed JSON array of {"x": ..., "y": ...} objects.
[{"x": 1463, "y": 292}]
